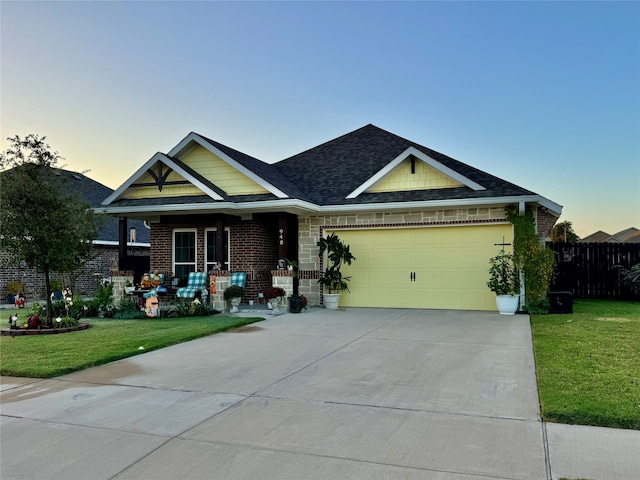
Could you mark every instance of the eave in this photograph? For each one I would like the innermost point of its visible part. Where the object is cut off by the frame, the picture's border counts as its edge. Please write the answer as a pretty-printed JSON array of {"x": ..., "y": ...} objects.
[
  {"x": 184, "y": 146},
  {"x": 160, "y": 157},
  {"x": 302, "y": 208}
]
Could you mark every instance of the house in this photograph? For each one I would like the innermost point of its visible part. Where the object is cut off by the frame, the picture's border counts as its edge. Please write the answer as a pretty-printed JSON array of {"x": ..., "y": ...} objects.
[
  {"x": 105, "y": 247},
  {"x": 628, "y": 235},
  {"x": 596, "y": 237},
  {"x": 421, "y": 225}
]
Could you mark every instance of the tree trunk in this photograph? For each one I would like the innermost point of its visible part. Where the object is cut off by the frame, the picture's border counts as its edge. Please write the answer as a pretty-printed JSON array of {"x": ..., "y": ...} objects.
[{"x": 47, "y": 289}]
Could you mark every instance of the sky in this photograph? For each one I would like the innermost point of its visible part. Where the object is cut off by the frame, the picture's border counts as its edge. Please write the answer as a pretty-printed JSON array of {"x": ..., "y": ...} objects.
[{"x": 543, "y": 94}]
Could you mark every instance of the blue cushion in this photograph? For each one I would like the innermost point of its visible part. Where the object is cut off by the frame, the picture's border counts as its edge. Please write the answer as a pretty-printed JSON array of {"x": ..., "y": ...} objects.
[
  {"x": 239, "y": 278},
  {"x": 197, "y": 282}
]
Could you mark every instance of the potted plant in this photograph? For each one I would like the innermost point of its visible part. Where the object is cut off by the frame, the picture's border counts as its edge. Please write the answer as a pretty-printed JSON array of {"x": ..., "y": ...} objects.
[
  {"x": 332, "y": 280},
  {"x": 297, "y": 303},
  {"x": 14, "y": 287},
  {"x": 291, "y": 264},
  {"x": 504, "y": 281},
  {"x": 274, "y": 296},
  {"x": 234, "y": 295}
]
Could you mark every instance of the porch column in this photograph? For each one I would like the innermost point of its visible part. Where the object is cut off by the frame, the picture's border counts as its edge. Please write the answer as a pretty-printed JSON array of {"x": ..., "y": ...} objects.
[
  {"x": 122, "y": 243},
  {"x": 283, "y": 237},
  {"x": 220, "y": 241}
]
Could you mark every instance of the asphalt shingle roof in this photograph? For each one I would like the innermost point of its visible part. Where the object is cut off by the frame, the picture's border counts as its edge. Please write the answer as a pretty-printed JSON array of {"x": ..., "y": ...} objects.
[
  {"x": 94, "y": 193},
  {"x": 326, "y": 174}
]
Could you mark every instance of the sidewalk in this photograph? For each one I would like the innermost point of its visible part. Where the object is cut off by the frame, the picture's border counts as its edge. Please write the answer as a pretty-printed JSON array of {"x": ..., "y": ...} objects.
[{"x": 357, "y": 394}]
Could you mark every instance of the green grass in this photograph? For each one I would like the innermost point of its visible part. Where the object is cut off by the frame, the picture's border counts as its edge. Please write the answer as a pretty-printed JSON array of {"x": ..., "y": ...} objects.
[
  {"x": 588, "y": 364},
  {"x": 46, "y": 356}
]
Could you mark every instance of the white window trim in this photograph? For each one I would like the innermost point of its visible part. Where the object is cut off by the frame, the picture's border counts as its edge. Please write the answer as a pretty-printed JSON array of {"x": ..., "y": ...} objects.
[
  {"x": 173, "y": 246},
  {"x": 206, "y": 246}
]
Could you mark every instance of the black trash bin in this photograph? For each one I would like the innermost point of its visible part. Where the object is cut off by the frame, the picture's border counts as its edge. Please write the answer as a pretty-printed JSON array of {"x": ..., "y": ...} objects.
[{"x": 561, "y": 302}]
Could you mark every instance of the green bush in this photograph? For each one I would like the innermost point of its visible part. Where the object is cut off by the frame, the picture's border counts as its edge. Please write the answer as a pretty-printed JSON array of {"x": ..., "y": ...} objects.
[
  {"x": 128, "y": 309},
  {"x": 234, "y": 291},
  {"x": 66, "y": 322},
  {"x": 189, "y": 308},
  {"x": 297, "y": 303}
]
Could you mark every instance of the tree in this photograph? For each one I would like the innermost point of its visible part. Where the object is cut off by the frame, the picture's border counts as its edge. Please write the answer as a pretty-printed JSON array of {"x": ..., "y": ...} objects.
[
  {"x": 563, "y": 232},
  {"x": 43, "y": 222}
]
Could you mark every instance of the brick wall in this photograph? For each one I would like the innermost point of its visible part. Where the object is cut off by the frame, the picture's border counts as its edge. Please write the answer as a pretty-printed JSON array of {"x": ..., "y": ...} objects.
[
  {"x": 254, "y": 250},
  {"x": 253, "y": 246},
  {"x": 545, "y": 222},
  {"x": 83, "y": 281}
]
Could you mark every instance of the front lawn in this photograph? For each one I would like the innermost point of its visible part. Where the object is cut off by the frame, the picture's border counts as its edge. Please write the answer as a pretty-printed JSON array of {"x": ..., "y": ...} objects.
[
  {"x": 588, "y": 364},
  {"x": 46, "y": 356}
]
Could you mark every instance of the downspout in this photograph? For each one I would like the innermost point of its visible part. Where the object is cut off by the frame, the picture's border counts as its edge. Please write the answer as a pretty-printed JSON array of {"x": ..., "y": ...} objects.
[{"x": 521, "y": 211}]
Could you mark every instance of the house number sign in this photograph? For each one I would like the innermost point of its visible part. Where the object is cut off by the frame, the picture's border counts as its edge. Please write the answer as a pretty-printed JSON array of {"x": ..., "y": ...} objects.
[{"x": 281, "y": 236}]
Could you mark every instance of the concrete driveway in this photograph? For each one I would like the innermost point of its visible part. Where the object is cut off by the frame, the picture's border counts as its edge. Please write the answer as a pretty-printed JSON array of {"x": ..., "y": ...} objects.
[{"x": 355, "y": 394}]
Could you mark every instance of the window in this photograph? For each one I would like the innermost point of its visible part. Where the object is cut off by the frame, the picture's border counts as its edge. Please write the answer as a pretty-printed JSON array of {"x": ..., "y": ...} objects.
[
  {"x": 184, "y": 253},
  {"x": 210, "y": 248}
]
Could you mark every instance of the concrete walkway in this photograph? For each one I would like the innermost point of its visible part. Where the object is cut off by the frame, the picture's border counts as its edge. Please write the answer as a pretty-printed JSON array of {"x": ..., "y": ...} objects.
[{"x": 355, "y": 394}]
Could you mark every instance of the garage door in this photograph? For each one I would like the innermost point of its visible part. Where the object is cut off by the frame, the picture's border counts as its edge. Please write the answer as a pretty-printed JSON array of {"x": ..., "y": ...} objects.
[{"x": 435, "y": 267}]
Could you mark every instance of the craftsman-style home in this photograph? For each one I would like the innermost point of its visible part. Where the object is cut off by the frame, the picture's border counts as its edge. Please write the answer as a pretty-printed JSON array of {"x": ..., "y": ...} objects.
[{"x": 421, "y": 225}]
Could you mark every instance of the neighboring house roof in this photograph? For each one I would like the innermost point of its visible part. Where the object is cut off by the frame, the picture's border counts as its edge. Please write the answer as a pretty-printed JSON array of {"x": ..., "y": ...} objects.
[
  {"x": 635, "y": 238},
  {"x": 628, "y": 235},
  {"x": 596, "y": 237},
  {"x": 347, "y": 173},
  {"x": 94, "y": 193},
  {"x": 624, "y": 235}
]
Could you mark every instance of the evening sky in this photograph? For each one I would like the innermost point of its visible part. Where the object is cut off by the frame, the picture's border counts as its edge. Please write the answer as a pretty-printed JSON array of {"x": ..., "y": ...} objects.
[{"x": 543, "y": 94}]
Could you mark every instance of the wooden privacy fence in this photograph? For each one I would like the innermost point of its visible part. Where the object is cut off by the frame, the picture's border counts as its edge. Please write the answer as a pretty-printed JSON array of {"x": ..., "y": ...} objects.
[{"x": 590, "y": 270}]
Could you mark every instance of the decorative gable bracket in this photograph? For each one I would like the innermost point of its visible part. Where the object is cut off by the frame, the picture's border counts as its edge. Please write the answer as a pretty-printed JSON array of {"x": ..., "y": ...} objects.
[
  {"x": 165, "y": 168},
  {"x": 160, "y": 177}
]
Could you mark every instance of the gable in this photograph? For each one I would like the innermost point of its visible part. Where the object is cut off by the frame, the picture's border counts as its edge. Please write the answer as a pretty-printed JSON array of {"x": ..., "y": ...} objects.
[
  {"x": 368, "y": 169},
  {"x": 413, "y": 174},
  {"x": 432, "y": 171},
  {"x": 160, "y": 180},
  {"x": 214, "y": 169}
]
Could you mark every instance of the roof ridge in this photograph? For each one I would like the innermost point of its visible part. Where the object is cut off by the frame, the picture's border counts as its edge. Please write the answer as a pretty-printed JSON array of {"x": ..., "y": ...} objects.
[{"x": 333, "y": 140}]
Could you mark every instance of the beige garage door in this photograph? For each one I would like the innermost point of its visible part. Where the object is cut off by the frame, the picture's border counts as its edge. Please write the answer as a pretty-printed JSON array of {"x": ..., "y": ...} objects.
[{"x": 430, "y": 267}]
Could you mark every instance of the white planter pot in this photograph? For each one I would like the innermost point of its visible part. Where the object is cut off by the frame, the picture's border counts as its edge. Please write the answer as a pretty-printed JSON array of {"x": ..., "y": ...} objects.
[
  {"x": 235, "y": 301},
  {"x": 275, "y": 304},
  {"x": 331, "y": 301},
  {"x": 507, "y": 304}
]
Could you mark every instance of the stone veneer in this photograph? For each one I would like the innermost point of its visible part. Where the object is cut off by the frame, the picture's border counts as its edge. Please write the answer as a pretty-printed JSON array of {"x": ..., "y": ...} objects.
[
  {"x": 311, "y": 229},
  {"x": 253, "y": 252},
  {"x": 279, "y": 278}
]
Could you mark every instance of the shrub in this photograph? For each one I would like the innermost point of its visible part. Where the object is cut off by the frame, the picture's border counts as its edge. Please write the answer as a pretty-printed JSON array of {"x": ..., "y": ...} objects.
[
  {"x": 128, "y": 310},
  {"x": 66, "y": 322},
  {"x": 297, "y": 303},
  {"x": 631, "y": 278},
  {"x": 189, "y": 308},
  {"x": 273, "y": 292},
  {"x": 15, "y": 287},
  {"x": 504, "y": 277},
  {"x": 234, "y": 291},
  {"x": 531, "y": 256}
]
